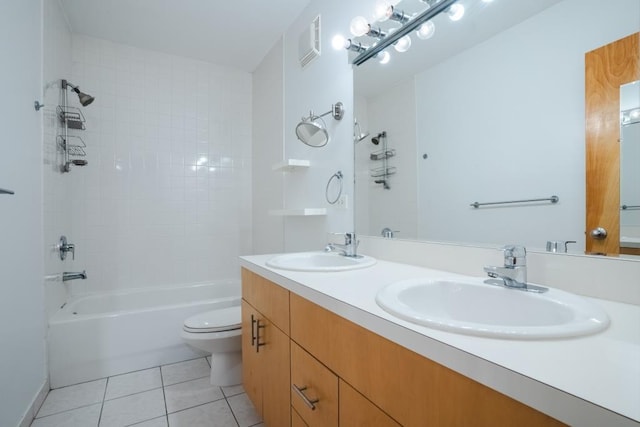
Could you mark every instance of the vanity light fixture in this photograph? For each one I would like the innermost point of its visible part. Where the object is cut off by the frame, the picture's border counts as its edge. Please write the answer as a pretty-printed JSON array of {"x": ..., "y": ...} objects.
[{"x": 399, "y": 37}]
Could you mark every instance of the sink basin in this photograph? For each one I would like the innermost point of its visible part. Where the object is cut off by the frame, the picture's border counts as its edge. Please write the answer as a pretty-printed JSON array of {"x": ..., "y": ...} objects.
[
  {"x": 319, "y": 261},
  {"x": 476, "y": 308}
]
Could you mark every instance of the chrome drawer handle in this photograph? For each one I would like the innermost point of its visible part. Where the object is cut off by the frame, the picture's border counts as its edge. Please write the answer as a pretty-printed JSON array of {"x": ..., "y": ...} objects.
[
  {"x": 258, "y": 343},
  {"x": 253, "y": 333},
  {"x": 300, "y": 392}
]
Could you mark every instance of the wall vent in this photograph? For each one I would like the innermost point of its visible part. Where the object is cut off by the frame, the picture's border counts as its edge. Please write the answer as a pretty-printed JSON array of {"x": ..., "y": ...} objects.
[{"x": 309, "y": 43}]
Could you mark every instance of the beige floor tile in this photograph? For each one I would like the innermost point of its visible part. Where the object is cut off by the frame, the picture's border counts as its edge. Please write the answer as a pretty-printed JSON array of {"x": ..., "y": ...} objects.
[
  {"x": 191, "y": 393},
  {"x": 133, "y": 409},
  {"x": 215, "y": 414},
  {"x": 185, "y": 371},
  {"x": 134, "y": 382},
  {"x": 86, "y": 416}
]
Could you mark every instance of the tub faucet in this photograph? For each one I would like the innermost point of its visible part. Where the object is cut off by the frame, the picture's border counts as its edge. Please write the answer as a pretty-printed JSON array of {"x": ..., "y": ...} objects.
[
  {"x": 349, "y": 248},
  {"x": 514, "y": 271},
  {"x": 69, "y": 275}
]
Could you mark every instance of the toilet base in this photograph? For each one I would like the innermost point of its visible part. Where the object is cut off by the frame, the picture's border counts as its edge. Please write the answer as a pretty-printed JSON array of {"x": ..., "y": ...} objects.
[{"x": 226, "y": 368}]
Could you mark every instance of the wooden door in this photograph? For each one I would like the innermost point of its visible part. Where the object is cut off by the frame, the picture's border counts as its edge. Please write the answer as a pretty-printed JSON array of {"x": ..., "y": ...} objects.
[{"x": 606, "y": 69}]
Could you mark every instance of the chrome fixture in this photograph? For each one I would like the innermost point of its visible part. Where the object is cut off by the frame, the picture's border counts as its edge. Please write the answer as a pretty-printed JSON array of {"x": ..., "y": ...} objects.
[
  {"x": 68, "y": 275},
  {"x": 5, "y": 191},
  {"x": 599, "y": 233},
  {"x": 358, "y": 135},
  {"x": 338, "y": 175},
  {"x": 556, "y": 246},
  {"x": 396, "y": 37},
  {"x": 85, "y": 99},
  {"x": 388, "y": 233},
  {"x": 313, "y": 131},
  {"x": 514, "y": 271},
  {"x": 552, "y": 199},
  {"x": 382, "y": 173},
  {"x": 64, "y": 247},
  {"x": 37, "y": 105},
  {"x": 629, "y": 207},
  {"x": 348, "y": 249}
]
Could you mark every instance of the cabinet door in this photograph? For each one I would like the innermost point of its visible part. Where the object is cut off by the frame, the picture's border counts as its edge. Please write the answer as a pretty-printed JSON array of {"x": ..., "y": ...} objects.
[
  {"x": 251, "y": 374},
  {"x": 357, "y": 411},
  {"x": 268, "y": 298},
  {"x": 275, "y": 367},
  {"x": 314, "y": 389}
]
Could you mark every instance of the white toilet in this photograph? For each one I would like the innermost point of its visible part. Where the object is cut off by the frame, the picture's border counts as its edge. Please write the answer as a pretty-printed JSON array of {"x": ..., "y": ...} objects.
[{"x": 218, "y": 332}]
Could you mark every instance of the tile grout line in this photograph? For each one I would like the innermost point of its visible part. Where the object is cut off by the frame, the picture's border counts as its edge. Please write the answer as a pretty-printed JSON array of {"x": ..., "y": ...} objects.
[
  {"x": 104, "y": 395},
  {"x": 164, "y": 396}
]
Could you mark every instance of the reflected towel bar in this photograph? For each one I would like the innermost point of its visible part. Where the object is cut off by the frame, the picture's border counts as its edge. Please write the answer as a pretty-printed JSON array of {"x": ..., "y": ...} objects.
[
  {"x": 629, "y": 207},
  {"x": 552, "y": 199},
  {"x": 4, "y": 191}
]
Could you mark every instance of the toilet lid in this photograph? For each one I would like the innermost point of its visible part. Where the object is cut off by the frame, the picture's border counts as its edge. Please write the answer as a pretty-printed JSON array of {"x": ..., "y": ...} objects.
[{"x": 224, "y": 319}]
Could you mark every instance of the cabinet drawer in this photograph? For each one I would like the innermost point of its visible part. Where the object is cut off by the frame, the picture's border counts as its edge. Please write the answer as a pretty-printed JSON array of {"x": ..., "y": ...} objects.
[
  {"x": 314, "y": 389},
  {"x": 267, "y": 297},
  {"x": 357, "y": 411}
]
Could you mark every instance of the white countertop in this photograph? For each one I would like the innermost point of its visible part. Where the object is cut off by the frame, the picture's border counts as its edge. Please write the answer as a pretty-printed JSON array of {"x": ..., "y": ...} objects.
[{"x": 584, "y": 381}]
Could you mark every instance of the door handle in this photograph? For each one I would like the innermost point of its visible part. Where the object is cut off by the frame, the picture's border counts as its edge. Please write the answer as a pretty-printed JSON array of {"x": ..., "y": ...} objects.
[
  {"x": 300, "y": 392},
  {"x": 258, "y": 343},
  {"x": 253, "y": 333},
  {"x": 599, "y": 233}
]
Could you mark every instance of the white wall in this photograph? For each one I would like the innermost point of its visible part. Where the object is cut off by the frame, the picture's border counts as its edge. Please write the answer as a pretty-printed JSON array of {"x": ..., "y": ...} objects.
[
  {"x": 166, "y": 196},
  {"x": 267, "y": 185},
  {"x": 325, "y": 81},
  {"x": 513, "y": 105},
  {"x": 57, "y": 221},
  {"x": 22, "y": 320}
]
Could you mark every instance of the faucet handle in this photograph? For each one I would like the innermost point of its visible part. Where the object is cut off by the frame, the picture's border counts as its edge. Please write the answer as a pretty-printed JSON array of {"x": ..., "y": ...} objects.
[{"x": 514, "y": 255}]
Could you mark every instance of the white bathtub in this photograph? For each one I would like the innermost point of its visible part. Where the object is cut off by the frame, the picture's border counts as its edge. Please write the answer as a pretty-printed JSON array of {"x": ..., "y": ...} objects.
[{"x": 102, "y": 335}]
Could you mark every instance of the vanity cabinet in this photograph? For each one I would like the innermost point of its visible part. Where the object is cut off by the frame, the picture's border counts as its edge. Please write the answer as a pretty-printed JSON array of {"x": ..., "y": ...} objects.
[
  {"x": 409, "y": 388},
  {"x": 315, "y": 368},
  {"x": 265, "y": 348}
]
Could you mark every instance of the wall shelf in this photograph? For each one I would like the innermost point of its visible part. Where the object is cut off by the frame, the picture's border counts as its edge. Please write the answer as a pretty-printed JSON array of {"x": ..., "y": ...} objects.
[
  {"x": 291, "y": 165},
  {"x": 299, "y": 212}
]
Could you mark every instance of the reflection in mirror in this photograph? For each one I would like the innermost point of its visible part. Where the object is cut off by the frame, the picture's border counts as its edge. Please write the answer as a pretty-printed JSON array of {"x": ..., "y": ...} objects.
[
  {"x": 629, "y": 168},
  {"x": 496, "y": 116}
]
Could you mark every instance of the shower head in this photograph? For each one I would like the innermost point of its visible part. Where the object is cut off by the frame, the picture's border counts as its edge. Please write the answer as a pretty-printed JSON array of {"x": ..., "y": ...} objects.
[
  {"x": 376, "y": 139},
  {"x": 85, "y": 99}
]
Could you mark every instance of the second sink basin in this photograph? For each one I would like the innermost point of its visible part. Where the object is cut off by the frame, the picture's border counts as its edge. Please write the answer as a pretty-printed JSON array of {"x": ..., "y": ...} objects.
[
  {"x": 476, "y": 308},
  {"x": 319, "y": 262}
]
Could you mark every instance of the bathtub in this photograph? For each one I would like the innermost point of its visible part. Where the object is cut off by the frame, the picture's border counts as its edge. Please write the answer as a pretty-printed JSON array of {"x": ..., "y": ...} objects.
[{"x": 101, "y": 335}]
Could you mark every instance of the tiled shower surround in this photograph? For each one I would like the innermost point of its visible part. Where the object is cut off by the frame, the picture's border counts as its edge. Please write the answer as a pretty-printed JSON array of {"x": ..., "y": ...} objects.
[{"x": 166, "y": 195}]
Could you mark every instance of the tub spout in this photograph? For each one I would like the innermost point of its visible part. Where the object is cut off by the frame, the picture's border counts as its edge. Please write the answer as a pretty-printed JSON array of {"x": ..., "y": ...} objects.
[{"x": 68, "y": 275}]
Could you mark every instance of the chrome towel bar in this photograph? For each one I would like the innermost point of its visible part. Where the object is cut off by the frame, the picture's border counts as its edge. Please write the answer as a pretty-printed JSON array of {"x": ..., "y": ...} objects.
[
  {"x": 4, "y": 191},
  {"x": 552, "y": 199},
  {"x": 629, "y": 207}
]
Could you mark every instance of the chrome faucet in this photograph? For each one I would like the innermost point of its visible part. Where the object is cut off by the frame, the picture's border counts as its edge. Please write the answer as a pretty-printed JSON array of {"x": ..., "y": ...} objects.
[
  {"x": 350, "y": 247},
  {"x": 514, "y": 271},
  {"x": 68, "y": 275}
]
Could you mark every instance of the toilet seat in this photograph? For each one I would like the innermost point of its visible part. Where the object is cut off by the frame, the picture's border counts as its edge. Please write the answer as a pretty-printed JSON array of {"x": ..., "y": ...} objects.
[{"x": 220, "y": 320}]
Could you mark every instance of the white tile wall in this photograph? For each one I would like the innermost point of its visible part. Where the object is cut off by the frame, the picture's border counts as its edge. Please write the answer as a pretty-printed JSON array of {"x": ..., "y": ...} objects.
[
  {"x": 56, "y": 185},
  {"x": 166, "y": 196}
]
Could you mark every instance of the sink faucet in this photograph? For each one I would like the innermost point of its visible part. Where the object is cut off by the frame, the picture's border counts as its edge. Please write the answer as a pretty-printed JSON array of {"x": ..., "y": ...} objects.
[
  {"x": 514, "y": 271},
  {"x": 349, "y": 248}
]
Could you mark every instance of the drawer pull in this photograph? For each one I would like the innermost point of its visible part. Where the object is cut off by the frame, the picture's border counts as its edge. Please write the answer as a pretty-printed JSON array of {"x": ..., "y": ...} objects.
[
  {"x": 258, "y": 343},
  {"x": 300, "y": 392},
  {"x": 253, "y": 333}
]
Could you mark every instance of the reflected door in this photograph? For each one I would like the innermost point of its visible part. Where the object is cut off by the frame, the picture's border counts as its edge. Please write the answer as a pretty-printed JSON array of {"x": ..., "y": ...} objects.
[{"x": 606, "y": 69}]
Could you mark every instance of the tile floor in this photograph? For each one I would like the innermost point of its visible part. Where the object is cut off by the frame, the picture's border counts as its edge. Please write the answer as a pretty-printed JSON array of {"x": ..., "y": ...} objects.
[{"x": 176, "y": 395}]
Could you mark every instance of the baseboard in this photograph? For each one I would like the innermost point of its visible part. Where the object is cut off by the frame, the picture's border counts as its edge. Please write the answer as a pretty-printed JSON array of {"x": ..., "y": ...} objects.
[{"x": 33, "y": 409}]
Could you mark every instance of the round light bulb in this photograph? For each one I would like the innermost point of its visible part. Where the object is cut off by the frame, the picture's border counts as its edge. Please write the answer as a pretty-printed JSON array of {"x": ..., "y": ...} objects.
[
  {"x": 380, "y": 11},
  {"x": 403, "y": 44},
  {"x": 384, "y": 57},
  {"x": 426, "y": 30},
  {"x": 456, "y": 12},
  {"x": 338, "y": 42},
  {"x": 359, "y": 26}
]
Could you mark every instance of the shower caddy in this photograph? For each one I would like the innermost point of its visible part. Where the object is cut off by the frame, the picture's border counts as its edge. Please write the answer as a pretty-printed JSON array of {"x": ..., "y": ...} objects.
[
  {"x": 72, "y": 146},
  {"x": 381, "y": 174}
]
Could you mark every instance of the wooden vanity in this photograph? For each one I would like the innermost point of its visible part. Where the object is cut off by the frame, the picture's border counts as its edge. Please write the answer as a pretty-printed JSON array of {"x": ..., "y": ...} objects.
[{"x": 306, "y": 366}]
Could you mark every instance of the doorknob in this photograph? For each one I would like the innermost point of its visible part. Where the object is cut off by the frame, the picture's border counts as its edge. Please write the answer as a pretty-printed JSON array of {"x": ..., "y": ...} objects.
[{"x": 599, "y": 233}]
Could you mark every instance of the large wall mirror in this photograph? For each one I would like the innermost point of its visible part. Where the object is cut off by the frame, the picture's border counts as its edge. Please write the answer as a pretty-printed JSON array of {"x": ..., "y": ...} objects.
[
  {"x": 490, "y": 109},
  {"x": 630, "y": 168}
]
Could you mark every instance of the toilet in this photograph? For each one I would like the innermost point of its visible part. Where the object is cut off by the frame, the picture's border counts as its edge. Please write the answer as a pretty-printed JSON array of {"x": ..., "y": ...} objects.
[{"x": 218, "y": 332}]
